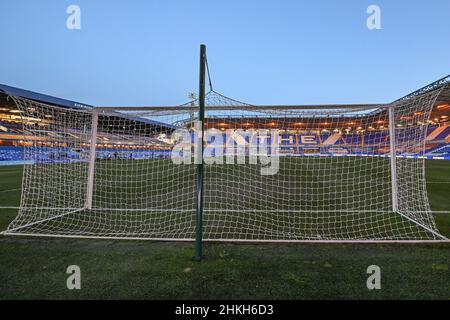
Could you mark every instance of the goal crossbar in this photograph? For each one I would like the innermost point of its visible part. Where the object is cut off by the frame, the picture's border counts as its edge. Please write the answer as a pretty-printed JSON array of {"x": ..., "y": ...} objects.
[{"x": 246, "y": 106}]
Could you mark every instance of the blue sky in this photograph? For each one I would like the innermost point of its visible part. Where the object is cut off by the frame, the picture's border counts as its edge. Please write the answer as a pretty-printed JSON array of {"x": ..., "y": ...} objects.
[{"x": 260, "y": 52}]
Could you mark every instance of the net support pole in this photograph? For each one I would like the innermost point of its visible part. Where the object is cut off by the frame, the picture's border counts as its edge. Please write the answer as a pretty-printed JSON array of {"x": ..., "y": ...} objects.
[
  {"x": 92, "y": 151},
  {"x": 393, "y": 158},
  {"x": 200, "y": 185}
]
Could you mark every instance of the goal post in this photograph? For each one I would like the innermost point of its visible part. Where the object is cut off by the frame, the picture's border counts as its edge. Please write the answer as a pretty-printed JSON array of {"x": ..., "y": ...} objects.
[
  {"x": 92, "y": 156},
  {"x": 393, "y": 157},
  {"x": 269, "y": 173}
]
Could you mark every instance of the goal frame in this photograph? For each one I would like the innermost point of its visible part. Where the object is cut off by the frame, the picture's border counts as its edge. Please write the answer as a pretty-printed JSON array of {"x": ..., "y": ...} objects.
[
  {"x": 97, "y": 111},
  {"x": 91, "y": 170}
]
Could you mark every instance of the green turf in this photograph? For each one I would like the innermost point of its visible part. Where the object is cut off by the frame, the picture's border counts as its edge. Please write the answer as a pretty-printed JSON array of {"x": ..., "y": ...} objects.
[{"x": 35, "y": 268}]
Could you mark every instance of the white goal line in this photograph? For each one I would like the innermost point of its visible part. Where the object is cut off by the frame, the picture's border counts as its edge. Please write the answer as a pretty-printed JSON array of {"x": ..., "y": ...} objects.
[{"x": 362, "y": 241}]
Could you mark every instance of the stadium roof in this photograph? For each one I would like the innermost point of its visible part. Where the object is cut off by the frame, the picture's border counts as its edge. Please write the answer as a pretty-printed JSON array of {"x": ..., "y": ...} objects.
[
  {"x": 42, "y": 97},
  {"x": 429, "y": 87}
]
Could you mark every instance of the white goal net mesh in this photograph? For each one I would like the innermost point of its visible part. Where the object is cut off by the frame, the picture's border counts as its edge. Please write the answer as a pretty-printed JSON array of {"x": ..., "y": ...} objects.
[{"x": 270, "y": 173}]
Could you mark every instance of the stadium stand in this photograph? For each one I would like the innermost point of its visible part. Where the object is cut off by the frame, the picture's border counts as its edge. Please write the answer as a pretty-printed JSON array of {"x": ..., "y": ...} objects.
[{"x": 333, "y": 140}]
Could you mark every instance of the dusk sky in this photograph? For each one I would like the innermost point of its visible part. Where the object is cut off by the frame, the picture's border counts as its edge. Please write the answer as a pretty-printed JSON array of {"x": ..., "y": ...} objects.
[{"x": 260, "y": 52}]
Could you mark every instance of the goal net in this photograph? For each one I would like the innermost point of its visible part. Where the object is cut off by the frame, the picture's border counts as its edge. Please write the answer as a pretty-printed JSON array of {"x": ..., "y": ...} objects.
[{"x": 280, "y": 173}]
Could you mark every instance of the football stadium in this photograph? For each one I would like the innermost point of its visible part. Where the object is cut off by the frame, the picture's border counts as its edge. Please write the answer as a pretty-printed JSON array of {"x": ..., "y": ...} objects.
[
  {"x": 341, "y": 180},
  {"x": 302, "y": 157}
]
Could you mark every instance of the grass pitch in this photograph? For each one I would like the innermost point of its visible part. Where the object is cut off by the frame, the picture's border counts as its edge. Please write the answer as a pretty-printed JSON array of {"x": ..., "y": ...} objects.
[{"x": 35, "y": 268}]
